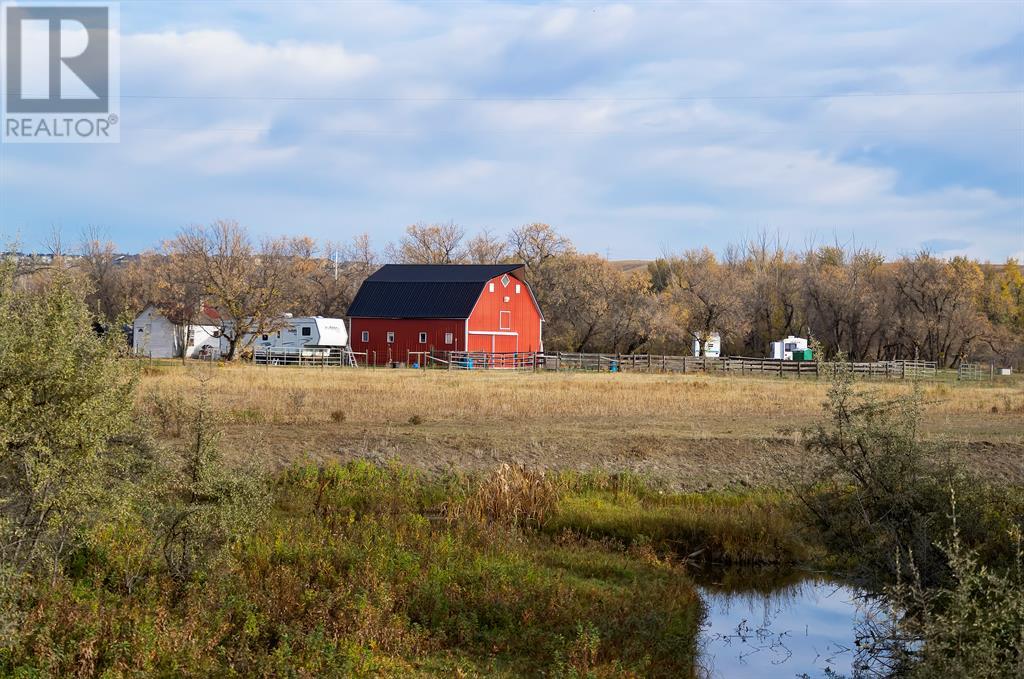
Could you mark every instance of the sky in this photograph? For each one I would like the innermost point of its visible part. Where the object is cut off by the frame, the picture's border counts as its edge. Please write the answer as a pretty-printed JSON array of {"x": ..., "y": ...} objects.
[{"x": 635, "y": 128}]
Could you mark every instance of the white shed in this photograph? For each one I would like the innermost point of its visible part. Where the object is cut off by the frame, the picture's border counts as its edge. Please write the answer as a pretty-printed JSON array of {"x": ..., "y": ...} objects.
[{"x": 154, "y": 336}]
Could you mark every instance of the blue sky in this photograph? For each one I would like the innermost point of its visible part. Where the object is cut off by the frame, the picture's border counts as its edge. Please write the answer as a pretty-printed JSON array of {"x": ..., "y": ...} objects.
[{"x": 634, "y": 127}]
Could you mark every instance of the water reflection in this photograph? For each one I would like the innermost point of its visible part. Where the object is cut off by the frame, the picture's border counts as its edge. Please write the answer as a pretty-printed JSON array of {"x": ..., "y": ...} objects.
[{"x": 770, "y": 623}]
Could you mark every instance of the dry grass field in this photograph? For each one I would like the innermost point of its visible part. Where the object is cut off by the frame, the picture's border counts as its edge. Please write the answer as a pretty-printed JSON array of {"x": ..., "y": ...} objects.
[{"x": 692, "y": 431}]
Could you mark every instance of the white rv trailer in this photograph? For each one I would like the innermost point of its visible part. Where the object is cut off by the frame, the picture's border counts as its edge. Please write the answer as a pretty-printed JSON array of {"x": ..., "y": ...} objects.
[
  {"x": 712, "y": 346},
  {"x": 783, "y": 349},
  {"x": 313, "y": 337}
]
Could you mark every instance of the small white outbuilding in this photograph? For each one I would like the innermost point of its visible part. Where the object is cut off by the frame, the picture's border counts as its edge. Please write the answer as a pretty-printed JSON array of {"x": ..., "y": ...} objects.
[
  {"x": 154, "y": 336},
  {"x": 783, "y": 349}
]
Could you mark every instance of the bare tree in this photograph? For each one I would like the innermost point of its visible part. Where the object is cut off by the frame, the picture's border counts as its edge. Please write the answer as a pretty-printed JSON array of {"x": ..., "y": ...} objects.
[
  {"x": 334, "y": 275},
  {"x": 773, "y": 301},
  {"x": 845, "y": 300},
  {"x": 537, "y": 246},
  {"x": 248, "y": 286},
  {"x": 938, "y": 309},
  {"x": 486, "y": 248},
  {"x": 712, "y": 295},
  {"x": 179, "y": 295},
  {"x": 430, "y": 244},
  {"x": 99, "y": 264}
]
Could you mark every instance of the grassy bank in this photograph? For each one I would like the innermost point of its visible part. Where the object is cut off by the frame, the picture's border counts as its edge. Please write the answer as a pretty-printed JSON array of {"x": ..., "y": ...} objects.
[
  {"x": 365, "y": 571},
  {"x": 757, "y": 528}
]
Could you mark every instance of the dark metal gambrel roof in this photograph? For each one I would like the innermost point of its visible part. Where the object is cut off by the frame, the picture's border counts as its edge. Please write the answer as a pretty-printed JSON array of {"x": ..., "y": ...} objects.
[{"x": 425, "y": 290}]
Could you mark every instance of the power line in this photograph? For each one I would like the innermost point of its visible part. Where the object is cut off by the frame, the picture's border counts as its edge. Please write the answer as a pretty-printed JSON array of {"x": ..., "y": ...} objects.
[
  {"x": 510, "y": 99},
  {"x": 581, "y": 99}
]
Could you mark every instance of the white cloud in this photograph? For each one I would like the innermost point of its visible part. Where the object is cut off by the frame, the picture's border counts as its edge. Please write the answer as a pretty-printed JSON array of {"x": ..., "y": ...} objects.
[
  {"x": 589, "y": 117},
  {"x": 221, "y": 62}
]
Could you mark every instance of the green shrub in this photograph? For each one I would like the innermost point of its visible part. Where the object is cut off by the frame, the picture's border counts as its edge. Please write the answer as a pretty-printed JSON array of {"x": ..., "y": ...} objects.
[{"x": 880, "y": 496}]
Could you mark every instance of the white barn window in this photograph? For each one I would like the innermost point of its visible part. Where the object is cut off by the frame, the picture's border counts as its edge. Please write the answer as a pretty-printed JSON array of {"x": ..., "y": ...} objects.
[
  {"x": 391, "y": 337},
  {"x": 449, "y": 338},
  {"x": 518, "y": 288},
  {"x": 366, "y": 335},
  {"x": 423, "y": 338},
  {"x": 490, "y": 287},
  {"x": 504, "y": 320}
]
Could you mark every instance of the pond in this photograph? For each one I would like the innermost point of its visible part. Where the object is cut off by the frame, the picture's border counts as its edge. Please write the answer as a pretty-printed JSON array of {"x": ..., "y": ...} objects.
[{"x": 765, "y": 624}]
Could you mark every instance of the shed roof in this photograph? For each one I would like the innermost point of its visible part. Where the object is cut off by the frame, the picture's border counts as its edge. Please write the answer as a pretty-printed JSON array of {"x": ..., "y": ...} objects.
[{"x": 425, "y": 290}]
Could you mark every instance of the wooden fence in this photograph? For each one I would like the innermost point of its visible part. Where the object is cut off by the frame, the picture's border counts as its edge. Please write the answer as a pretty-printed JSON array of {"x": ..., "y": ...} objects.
[
  {"x": 646, "y": 363},
  {"x": 732, "y": 364},
  {"x": 482, "y": 360}
]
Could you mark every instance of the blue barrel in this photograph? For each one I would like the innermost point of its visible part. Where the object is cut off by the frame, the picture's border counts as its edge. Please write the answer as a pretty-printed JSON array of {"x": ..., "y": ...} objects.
[{"x": 613, "y": 367}]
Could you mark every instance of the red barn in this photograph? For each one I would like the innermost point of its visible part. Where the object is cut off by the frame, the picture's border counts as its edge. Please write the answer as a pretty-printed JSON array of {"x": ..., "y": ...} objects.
[{"x": 404, "y": 308}]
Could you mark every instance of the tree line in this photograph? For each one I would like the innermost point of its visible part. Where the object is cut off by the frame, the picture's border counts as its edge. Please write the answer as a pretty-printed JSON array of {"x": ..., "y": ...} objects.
[{"x": 852, "y": 300}]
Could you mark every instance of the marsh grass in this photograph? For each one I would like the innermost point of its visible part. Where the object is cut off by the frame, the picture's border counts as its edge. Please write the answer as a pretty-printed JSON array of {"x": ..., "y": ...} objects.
[
  {"x": 723, "y": 528},
  {"x": 511, "y": 495},
  {"x": 352, "y": 575}
]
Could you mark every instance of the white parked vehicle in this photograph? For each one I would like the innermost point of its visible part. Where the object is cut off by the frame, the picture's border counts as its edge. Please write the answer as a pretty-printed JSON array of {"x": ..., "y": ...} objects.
[
  {"x": 712, "y": 346},
  {"x": 306, "y": 337},
  {"x": 783, "y": 349}
]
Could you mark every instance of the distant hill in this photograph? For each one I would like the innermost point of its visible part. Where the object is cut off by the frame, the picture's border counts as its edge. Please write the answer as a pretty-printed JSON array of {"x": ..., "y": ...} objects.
[{"x": 630, "y": 265}]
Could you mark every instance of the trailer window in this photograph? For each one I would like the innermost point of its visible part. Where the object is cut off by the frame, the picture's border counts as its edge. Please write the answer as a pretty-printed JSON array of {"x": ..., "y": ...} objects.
[
  {"x": 366, "y": 335},
  {"x": 391, "y": 337},
  {"x": 423, "y": 338},
  {"x": 305, "y": 331},
  {"x": 449, "y": 338}
]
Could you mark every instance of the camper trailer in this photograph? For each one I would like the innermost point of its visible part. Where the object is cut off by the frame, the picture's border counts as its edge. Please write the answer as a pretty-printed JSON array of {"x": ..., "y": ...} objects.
[
  {"x": 786, "y": 348},
  {"x": 712, "y": 347},
  {"x": 306, "y": 332},
  {"x": 303, "y": 337}
]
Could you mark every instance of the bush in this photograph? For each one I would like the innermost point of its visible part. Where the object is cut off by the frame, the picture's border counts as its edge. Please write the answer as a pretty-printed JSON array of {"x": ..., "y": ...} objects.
[
  {"x": 66, "y": 433},
  {"x": 205, "y": 504},
  {"x": 513, "y": 496},
  {"x": 881, "y": 497},
  {"x": 170, "y": 413}
]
